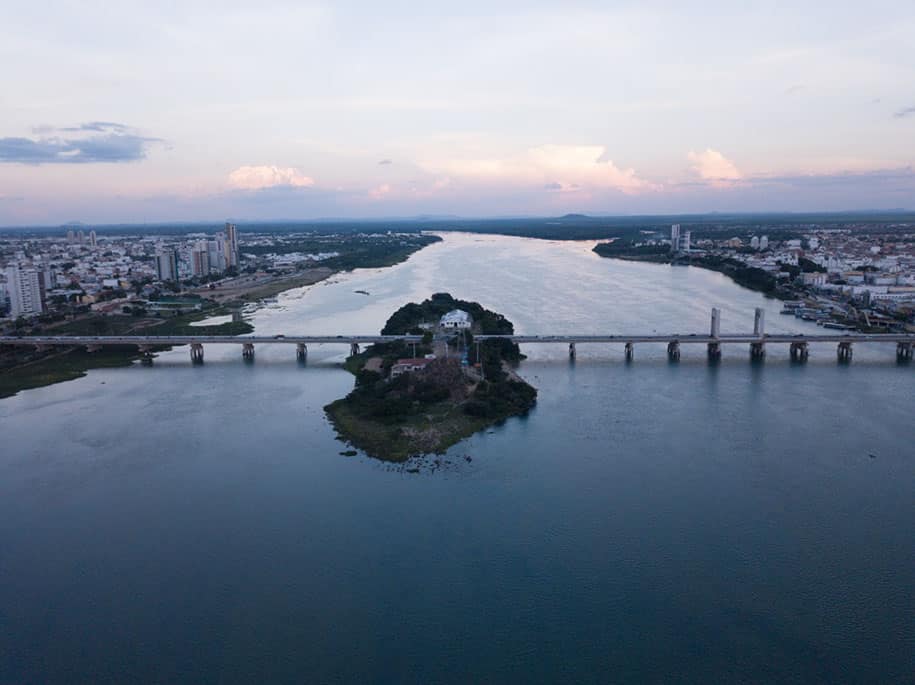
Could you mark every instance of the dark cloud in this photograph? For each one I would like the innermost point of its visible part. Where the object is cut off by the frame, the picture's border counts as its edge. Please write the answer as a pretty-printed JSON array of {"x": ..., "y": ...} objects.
[
  {"x": 385, "y": 161},
  {"x": 106, "y": 142},
  {"x": 905, "y": 112}
]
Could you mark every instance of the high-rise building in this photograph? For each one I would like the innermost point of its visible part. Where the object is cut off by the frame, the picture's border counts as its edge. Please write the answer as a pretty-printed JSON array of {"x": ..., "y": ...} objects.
[
  {"x": 675, "y": 238},
  {"x": 24, "y": 290},
  {"x": 93, "y": 239},
  {"x": 71, "y": 236},
  {"x": 82, "y": 236},
  {"x": 167, "y": 265},
  {"x": 764, "y": 243},
  {"x": 231, "y": 245},
  {"x": 754, "y": 242},
  {"x": 216, "y": 253},
  {"x": 200, "y": 259},
  {"x": 685, "y": 240}
]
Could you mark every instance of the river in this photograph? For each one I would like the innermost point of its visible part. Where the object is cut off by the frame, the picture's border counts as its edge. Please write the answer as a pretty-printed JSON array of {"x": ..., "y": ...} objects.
[{"x": 647, "y": 522}]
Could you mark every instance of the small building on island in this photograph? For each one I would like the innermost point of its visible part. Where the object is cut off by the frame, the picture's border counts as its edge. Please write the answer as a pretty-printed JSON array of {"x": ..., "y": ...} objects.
[
  {"x": 409, "y": 366},
  {"x": 456, "y": 319}
]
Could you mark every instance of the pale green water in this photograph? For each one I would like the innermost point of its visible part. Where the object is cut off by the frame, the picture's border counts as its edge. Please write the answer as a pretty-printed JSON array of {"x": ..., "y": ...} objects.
[{"x": 647, "y": 523}]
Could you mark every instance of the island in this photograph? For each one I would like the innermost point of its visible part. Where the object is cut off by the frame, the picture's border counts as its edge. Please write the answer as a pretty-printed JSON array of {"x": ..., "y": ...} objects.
[{"x": 422, "y": 398}]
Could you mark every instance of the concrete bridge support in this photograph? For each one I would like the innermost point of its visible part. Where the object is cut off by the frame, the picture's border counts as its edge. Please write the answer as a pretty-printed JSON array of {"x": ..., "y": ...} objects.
[
  {"x": 799, "y": 351},
  {"x": 196, "y": 353},
  {"x": 630, "y": 352},
  {"x": 714, "y": 351},
  {"x": 354, "y": 349},
  {"x": 673, "y": 350},
  {"x": 146, "y": 357},
  {"x": 904, "y": 351},
  {"x": 843, "y": 352},
  {"x": 247, "y": 352},
  {"x": 572, "y": 351},
  {"x": 757, "y": 349},
  {"x": 301, "y": 352}
]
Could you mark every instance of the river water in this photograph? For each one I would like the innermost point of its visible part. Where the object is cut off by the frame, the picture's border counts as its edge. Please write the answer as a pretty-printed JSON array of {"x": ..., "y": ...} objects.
[{"x": 649, "y": 522}]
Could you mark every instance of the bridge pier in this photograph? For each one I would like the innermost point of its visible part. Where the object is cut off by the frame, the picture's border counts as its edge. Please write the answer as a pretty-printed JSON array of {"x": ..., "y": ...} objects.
[
  {"x": 572, "y": 351},
  {"x": 843, "y": 352},
  {"x": 630, "y": 352},
  {"x": 714, "y": 351},
  {"x": 146, "y": 357},
  {"x": 196, "y": 353},
  {"x": 757, "y": 350},
  {"x": 673, "y": 350},
  {"x": 904, "y": 351},
  {"x": 247, "y": 352},
  {"x": 354, "y": 349},
  {"x": 301, "y": 352},
  {"x": 799, "y": 351}
]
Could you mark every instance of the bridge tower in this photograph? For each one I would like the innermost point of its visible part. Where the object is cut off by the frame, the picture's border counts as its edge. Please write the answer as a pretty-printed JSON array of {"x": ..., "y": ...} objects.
[
  {"x": 714, "y": 347},
  {"x": 572, "y": 351},
  {"x": 354, "y": 349},
  {"x": 904, "y": 351},
  {"x": 196, "y": 353},
  {"x": 758, "y": 348},
  {"x": 247, "y": 352},
  {"x": 301, "y": 352},
  {"x": 630, "y": 352}
]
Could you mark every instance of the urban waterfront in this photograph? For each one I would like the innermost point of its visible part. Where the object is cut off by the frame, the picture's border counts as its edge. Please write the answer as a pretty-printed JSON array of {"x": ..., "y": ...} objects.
[{"x": 646, "y": 522}]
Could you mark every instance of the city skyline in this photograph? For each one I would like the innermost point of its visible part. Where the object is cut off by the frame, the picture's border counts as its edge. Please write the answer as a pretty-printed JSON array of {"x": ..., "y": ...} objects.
[{"x": 134, "y": 113}]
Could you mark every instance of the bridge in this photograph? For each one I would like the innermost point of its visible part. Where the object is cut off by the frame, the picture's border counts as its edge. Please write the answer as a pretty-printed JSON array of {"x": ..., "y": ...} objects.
[{"x": 798, "y": 344}]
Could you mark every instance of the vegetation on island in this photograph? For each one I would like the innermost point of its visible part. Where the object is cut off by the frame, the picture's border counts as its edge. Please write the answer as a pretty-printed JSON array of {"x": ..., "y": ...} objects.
[{"x": 468, "y": 386}]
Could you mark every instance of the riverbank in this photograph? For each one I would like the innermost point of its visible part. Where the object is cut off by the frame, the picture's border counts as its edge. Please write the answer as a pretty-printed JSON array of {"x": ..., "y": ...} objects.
[
  {"x": 749, "y": 277},
  {"x": 26, "y": 369},
  {"x": 245, "y": 289}
]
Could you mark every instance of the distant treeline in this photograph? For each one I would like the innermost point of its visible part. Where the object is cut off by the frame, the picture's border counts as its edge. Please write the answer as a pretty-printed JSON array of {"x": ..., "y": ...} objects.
[{"x": 568, "y": 227}]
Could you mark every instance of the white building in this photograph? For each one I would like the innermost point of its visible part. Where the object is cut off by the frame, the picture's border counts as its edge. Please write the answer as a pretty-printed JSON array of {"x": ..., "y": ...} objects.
[
  {"x": 456, "y": 318},
  {"x": 675, "y": 238},
  {"x": 754, "y": 242},
  {"x": 764, "y": 243},
  {"x": 685, "y": 240},
  {"x": 24, "y": 290}
]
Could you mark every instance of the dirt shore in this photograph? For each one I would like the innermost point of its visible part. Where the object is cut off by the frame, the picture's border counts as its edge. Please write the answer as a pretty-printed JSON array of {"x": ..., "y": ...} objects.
[{"x": 256, "y": 287}]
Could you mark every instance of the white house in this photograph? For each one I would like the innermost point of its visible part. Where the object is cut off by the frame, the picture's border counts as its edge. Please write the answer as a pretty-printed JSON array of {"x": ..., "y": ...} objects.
[{"x": 456, "y": 318}]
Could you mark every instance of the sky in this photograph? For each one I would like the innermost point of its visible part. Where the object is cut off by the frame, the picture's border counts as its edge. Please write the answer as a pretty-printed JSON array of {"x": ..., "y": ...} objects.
[{"x": 203, "y": 111}]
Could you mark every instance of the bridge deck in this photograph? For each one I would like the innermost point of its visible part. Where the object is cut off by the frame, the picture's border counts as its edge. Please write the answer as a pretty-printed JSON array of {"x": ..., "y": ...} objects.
[{"x": 152, "y": 340}]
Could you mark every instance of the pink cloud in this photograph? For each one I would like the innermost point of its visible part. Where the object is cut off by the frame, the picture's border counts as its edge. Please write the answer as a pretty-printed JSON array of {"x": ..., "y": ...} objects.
[{"x": 714, "y": 167}]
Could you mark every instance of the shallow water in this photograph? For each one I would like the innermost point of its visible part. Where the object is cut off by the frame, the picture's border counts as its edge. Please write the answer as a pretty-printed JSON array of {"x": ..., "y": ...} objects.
[{"x": 647, "y": 522}]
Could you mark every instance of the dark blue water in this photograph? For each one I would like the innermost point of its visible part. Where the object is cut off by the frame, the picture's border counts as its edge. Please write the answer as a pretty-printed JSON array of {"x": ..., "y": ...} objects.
[{"x": 646, "y": 523}]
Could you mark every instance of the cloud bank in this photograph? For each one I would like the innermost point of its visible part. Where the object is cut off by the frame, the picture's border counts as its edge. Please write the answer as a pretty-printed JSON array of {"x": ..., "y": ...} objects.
[
  {"x": 101, "y": 142},
  {"x": 551, "y": 167},
  {"x": 714, "y": 167},
  {"x": 259, "y": 177}
]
